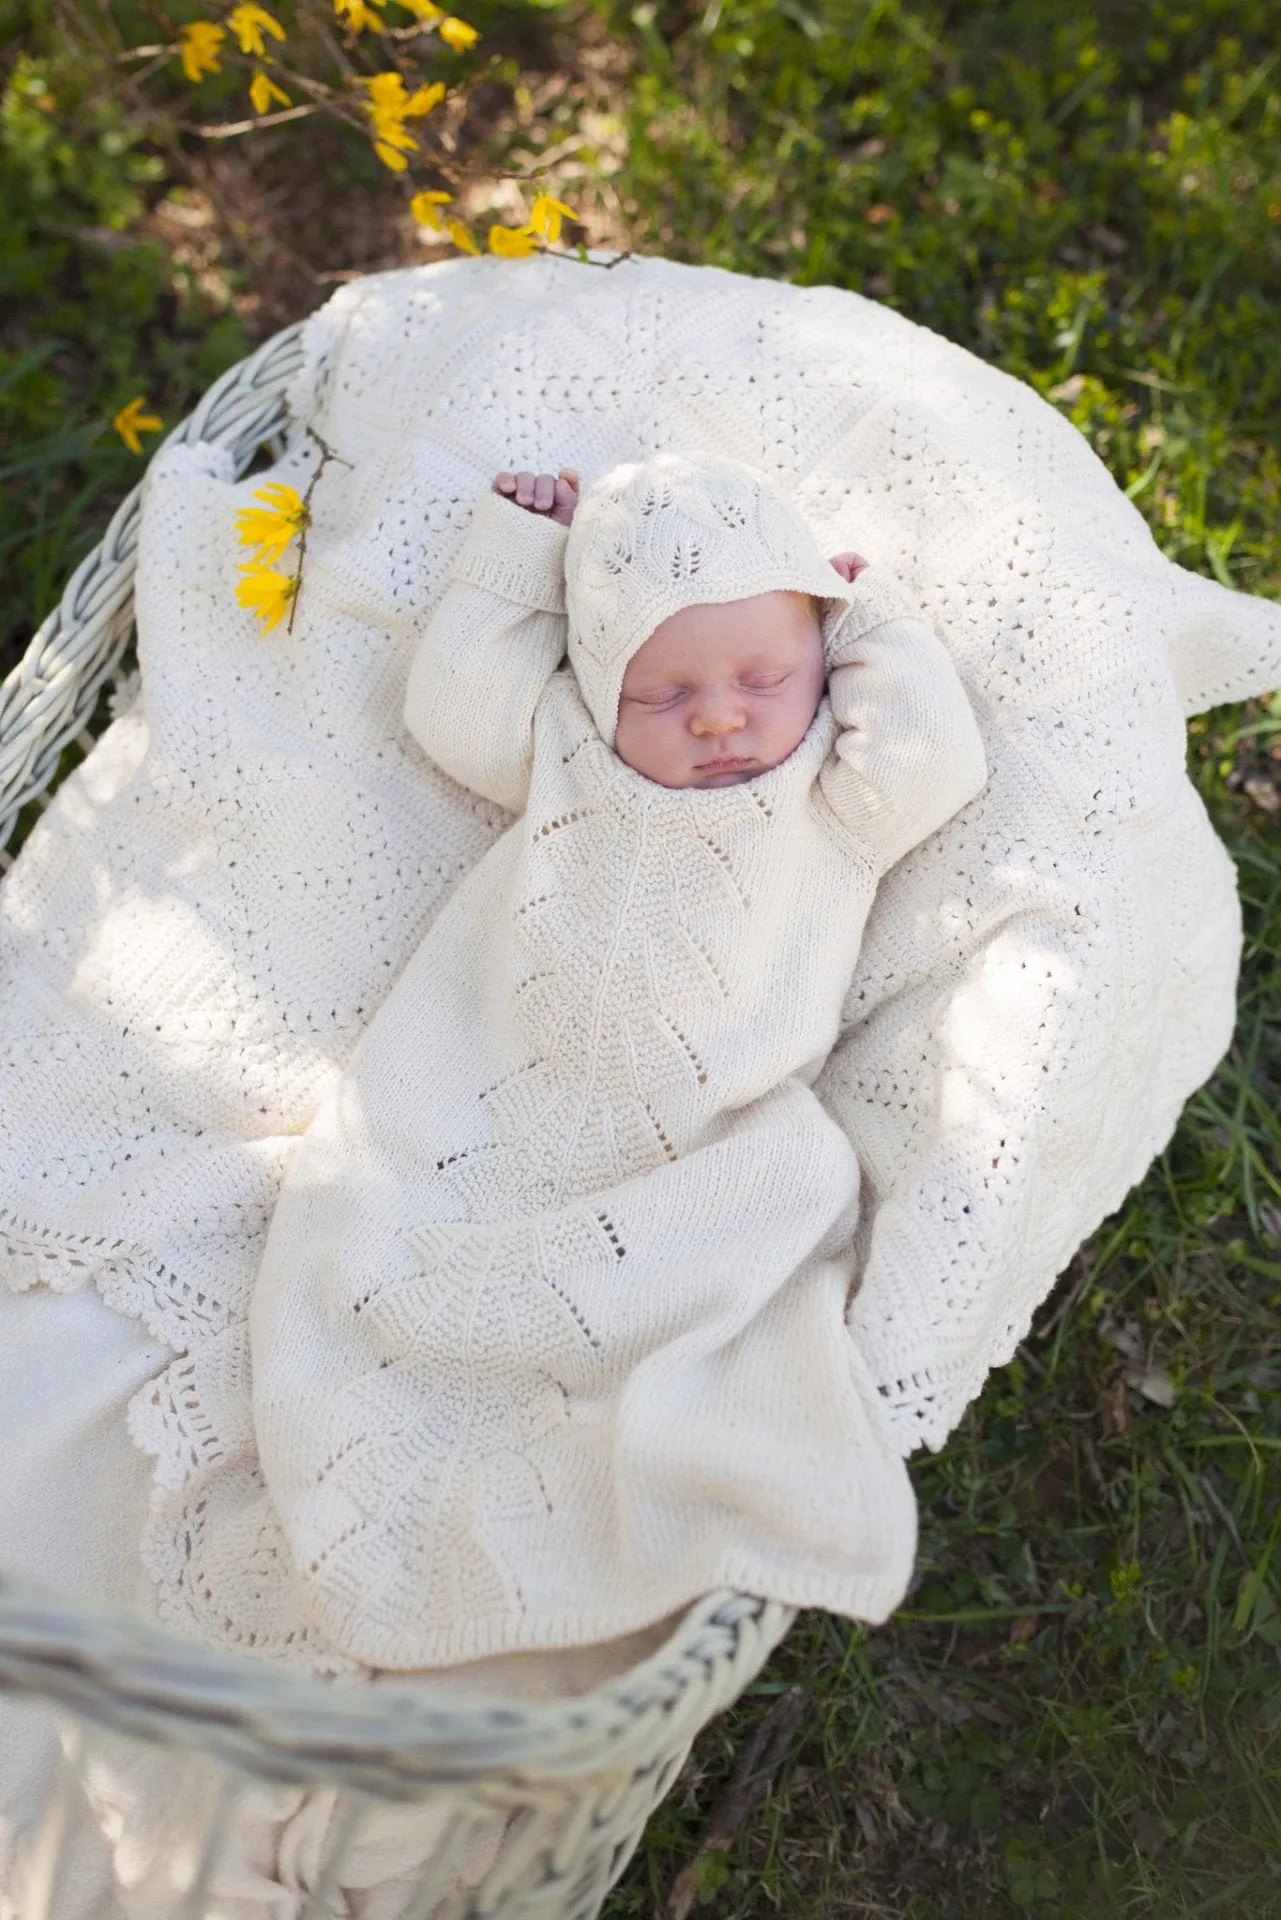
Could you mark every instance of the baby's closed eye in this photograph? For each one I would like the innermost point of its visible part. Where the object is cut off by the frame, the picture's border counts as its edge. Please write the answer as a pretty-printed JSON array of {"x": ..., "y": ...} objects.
[{"x": 657, "y": 697}]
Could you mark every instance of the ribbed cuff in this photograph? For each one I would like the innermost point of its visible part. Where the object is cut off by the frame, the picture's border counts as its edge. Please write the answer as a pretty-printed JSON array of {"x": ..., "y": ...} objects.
[
  {"x": 876, "y": 598},
  {"x": 518, "y": 555}
]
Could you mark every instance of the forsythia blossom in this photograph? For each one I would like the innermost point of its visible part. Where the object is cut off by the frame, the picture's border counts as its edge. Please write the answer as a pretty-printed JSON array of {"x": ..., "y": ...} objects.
[
  {"x": 270, "y": 528},
  {"x": 389, "y": 106},
  {"x": 424, "y": 10},
  {"x": 546, "y": 215},
  {"x": 201, "y": 41},
  {"x": 358, "y": 16},
  {"x": 426, "y": 209},
  {"x": 267, "y": 593},
  {"x": 249, "y": 22},
  {"x": 461, "y": 237},
  {"x": 132, "y": 420},
  {"x": 512, "y": 243},
  {"x": 262, "y": 91},
  {"x": 457, "y": 34}
]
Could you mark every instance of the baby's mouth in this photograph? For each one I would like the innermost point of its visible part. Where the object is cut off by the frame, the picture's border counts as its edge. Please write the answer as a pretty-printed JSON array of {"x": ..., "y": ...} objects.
[{"x": 730, "y": 765}]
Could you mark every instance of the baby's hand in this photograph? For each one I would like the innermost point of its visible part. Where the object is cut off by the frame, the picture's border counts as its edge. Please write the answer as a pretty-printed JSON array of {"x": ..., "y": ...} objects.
[
  {"x": 849, "y": 566},
  {"x": 552, "y": 493}
]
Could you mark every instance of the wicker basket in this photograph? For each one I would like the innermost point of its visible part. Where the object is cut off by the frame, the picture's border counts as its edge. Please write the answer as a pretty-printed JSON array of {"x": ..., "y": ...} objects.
[{"x": 564, "y": 1789}]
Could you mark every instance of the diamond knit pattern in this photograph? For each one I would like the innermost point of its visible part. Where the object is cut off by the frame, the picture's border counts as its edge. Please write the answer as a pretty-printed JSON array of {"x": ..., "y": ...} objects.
[
  {"x": 574, "y": 1189},
  {"x": 205, "y": 920}
]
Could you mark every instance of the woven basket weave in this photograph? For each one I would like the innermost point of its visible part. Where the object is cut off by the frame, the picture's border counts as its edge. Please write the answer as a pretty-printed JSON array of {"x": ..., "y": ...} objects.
[{"x": 567, "y": 1786}]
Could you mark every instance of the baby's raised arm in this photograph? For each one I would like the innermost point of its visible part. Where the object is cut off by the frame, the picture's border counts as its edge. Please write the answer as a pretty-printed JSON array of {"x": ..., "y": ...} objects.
[
  {"x": 909, "y": 754},
  {"x": 496, "y": 637}
]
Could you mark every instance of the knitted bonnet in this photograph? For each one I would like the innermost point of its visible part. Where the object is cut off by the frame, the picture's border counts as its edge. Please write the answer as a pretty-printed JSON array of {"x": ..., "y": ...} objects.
[{"x": 675, "y": 531}]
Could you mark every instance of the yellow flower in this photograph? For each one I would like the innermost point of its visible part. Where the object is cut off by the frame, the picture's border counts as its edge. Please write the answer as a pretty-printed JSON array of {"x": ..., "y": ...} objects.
[
  {"x": 262, "y": 91},
  {"x": 546, "y": 214},
  {"x": 131, "y": 421},
  {"x": 267, "y": 593},
  {"x": 249, "y": 22},
  {"x": 358, "y": 16},
  {"x": 389, "y": 106},
  {"x": 513, "y": 243},
  {"x": 457, "y": 34},
  {"x": 199, "y": 51},
  {"x": 426, "y": 210},
  {"x": 270, "y": 528},
  {"x": 461, "y": 236},
  {"x": 423, "y": 99},
  {"x": 424, "y": 10}
]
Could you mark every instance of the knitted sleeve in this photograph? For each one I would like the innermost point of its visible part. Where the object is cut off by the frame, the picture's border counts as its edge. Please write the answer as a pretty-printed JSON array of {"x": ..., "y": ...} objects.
[
  {"x": 492, "y": 644},
  {"x": 909, "y": 754}
]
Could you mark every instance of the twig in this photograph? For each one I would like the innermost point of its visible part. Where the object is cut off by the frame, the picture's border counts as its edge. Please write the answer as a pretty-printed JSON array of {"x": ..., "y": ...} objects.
[
  {"x": 1070, "y": 1297},
  {"x": 743, "y": 1792},
  {"x": 326, "y": 455},
  {"x": 230, "y": 129}
]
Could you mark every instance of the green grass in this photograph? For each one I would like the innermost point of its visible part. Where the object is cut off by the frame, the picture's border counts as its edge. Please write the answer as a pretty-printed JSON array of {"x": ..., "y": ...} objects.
[
  {"x": 1079, "y": 1710},
  {"x": 1078, "y": 1713}
]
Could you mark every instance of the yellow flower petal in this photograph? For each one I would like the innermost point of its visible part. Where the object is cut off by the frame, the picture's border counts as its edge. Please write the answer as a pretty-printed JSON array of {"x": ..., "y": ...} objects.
[
  {"x": 424, "y": 10},
  {"x": 267, "y": 594},
  {"x": 425, "y": 208},
  {"x": 513, "y": 243},
  {"x": 270, "y": 528},
  {"x": 461, "y": 236},
  {"x": 546, "y": 215},
  {"x": 389, "y": 156},
  {"x": 249, "y": 22},
  {"x": 358, "y": 16},
  {"x": 262, "y": 91},
  {"x": 423, "y": 99},
  {"x": 132, "y": 421},
  {"x": 457, "y": 34},
  {"x": 201, "y": 41},
  {"x": 386, "y": 92}
]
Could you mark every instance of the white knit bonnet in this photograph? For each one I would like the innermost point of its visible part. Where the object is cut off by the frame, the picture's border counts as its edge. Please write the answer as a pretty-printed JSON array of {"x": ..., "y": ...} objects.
[{"x": 678, "y": 530}]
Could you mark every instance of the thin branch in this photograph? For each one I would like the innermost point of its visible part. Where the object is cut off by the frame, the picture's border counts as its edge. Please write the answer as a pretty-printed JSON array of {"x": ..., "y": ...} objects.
[
  {"x": 326, "y": 455},
  {"x": 748, "y": 1784},
  {"x": 232, "y": 129}
]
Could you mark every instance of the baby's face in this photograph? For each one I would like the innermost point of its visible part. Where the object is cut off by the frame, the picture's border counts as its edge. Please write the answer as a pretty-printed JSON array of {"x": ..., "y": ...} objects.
[{"x": 719, "y": 694}]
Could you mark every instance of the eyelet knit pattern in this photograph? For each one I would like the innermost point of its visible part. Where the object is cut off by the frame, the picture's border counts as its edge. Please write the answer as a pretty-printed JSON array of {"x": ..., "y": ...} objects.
[
  {"x": 564, "y": 1233},
  {"x": 209, "y": 913},
  {"x": 678, "y": 530}
]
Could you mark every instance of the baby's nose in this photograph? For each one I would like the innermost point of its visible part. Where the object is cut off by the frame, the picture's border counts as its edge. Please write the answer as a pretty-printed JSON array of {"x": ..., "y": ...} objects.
[{"x": 717, "y": 712}]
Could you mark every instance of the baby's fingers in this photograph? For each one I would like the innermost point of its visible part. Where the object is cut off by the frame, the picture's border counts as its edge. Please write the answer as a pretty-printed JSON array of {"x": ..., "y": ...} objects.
[
  {"x": 552, "y": 493},
  {"x": 566, "y": 496}
]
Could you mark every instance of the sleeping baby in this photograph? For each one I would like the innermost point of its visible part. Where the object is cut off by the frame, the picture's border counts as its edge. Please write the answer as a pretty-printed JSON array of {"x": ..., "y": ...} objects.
[{"x": 549, "y": 1337}]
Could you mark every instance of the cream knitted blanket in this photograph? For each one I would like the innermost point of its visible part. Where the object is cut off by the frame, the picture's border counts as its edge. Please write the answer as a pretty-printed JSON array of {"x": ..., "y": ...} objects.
[
  {"x": 213, "y": 907},
  {"x": 548, "y": 1337}
]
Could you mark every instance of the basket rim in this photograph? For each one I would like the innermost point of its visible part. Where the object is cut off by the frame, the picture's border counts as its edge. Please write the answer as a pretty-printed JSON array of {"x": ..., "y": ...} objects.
[{"x": 129, "y": 1675}]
